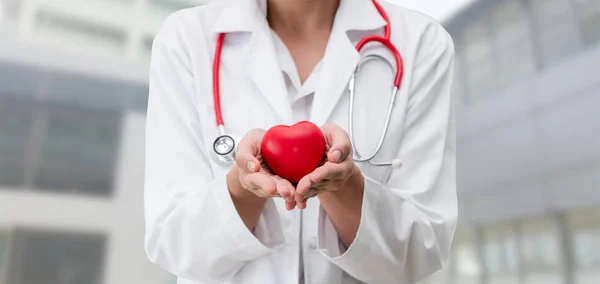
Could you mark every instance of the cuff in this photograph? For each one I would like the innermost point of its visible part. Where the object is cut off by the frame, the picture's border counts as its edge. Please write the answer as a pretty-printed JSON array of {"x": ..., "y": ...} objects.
[
  {"x": 268, "y": 234},
  {"x": 362, "y": 251}
]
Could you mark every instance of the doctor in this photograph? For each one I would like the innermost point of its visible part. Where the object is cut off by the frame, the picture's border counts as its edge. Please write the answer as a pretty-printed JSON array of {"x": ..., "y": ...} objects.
[{"x": 284, "y": 61}]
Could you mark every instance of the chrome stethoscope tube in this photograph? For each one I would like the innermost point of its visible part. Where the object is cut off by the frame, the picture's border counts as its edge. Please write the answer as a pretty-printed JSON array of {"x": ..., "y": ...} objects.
[{"x": 357, "y": 157}]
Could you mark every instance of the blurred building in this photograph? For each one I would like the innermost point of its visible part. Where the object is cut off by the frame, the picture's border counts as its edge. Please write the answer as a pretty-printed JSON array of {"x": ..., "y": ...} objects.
[
  {"x": 527, "y": 97},
  {"x": 73, "y": 92}
]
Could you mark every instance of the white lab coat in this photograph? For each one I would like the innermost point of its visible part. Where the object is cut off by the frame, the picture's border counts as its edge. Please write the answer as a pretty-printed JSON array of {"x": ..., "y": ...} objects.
[{"x": 409, "y": 214}]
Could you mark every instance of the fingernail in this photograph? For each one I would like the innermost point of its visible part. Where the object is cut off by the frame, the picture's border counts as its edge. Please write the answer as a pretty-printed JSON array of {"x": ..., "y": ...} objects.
[
  {"x": 251, "y": 166},
  {"x": 337, "y": 155}
]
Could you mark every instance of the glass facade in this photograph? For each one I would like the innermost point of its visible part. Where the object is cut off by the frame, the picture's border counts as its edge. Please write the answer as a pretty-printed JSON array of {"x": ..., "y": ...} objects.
[
  {"x": 511, "y": 40},
  {"x": 58, "y": 148},
  {"x": 78, "y": 151},
  {"x": 52, "y": 257},
  {"x": 479, "y": 64},
  {"x": 528, "y": 251},
  {"x": 15, "y": 123},
  {"x": 62, "y": 133},
  {"x": 3, "y": 255},
  {"x": 466, "y": 263},
  {"x": 500, "y": 44},
  {"x": 585, "y": 225},
  {"x": 501, "y": 254},
  {"x": 541, "y": 252},
  {"x": 589, "y": 20},
  {"x": 557, "y": 29}
]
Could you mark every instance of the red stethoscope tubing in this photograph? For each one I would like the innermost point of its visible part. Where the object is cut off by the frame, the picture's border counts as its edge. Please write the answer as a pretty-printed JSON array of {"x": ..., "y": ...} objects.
[
  {"x": 385, "y": 40},
  {"x": 216, "y": 87}
]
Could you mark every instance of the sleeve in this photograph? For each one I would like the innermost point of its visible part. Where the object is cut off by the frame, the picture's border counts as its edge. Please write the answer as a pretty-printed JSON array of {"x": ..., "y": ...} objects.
[
  {"x": 407, "y": 225},
  {"x": 192, "y": 227}
]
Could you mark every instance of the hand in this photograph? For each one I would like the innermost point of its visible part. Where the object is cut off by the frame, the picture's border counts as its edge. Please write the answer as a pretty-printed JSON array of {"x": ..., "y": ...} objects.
[
  {"x": 255, "y": 177},
  {"x": 336, "y": 170}
]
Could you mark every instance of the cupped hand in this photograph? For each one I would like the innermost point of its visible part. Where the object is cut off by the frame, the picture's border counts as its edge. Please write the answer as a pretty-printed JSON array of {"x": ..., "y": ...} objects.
[
  {"x": 336, "y": 170},
  {"x": 255, "y": 176}
]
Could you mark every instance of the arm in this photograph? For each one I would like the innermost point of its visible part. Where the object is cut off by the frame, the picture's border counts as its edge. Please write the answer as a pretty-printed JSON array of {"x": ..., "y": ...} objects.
[
  {"x": 405, "y": 227},
  {"x": 247, "y": 204},
  {"x": 343, "y": 207},
  {"x": 193, "y": 229}
]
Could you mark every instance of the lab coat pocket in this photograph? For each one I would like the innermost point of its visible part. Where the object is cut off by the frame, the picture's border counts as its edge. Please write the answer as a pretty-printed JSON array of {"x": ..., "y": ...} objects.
[{"x": 380, "y": 174}]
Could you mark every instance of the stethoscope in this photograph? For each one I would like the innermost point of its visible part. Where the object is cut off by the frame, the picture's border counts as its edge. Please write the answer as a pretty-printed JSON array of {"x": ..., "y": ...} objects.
[{"x": 224, "y": 145}]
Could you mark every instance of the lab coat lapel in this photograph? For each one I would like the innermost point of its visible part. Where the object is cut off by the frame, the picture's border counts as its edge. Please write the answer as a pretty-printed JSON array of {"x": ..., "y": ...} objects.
[
  {"x": 339, "y": 63},
  {"x": 263, "y": 68},
  {"x": 260, "y": 62},
  {"x": 341, "y": 56}
]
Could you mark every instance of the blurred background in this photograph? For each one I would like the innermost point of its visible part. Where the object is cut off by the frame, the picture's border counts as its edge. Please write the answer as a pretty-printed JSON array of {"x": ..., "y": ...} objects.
[{"x": 73, "y": 93}]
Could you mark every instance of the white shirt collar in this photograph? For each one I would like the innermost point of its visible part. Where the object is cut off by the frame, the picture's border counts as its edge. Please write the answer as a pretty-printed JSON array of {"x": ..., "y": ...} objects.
[
  {"x": 289, "y": 69},
  {"x": 250, "y": 15}
]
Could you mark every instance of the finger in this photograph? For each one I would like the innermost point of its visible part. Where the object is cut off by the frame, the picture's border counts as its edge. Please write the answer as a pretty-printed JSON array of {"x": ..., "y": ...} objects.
[
  {"x": 283, "y": 190},
  {"x": 321, "y": 172},
  {"x": 290, "y": 205},
  {"x": 338, "y": 138},
  {"x": 303, "y": 186},
  {"x": 301, "y": 204},
  {"x": 248, "y": 149},
  {"x": 284, "y": 187},
  {"x": 262, "y": 182},
  {"x": 331, "y": 171},
  {"x": 247, "y": 162},
  {"x": 312, "y": 193}
]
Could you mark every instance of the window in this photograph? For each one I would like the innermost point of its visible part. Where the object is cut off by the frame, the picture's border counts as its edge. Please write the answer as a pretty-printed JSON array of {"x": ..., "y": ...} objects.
[
  {"x": 79, "y": 151},
  {"x": 80, "y": 30},
  {"x": 57, "y": 257},
  {"x": 86, "y": 91},
  {"x": 73, "y": 150},
  {"x": 501, "y": 254},
  {"x": 478, "y": 60},
  {"x": 541, "y": 251},
  {"x": 66, "y": 138},
  {"x": 512, "y": 38},
  {"x": 4, "y": 241},
  {"x": 20, "y": 81},
  {"x": 465, "y": 262},
  {"x": 557, "y": 29},
  {"x": 589, "y": 19},
  {"x": 15, "y": 123},
  {"x": 585, "y": 230}
]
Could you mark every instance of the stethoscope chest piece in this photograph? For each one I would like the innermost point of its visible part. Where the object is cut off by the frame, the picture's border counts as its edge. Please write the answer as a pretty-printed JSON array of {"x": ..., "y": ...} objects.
[{"x": 224, "y": 149}]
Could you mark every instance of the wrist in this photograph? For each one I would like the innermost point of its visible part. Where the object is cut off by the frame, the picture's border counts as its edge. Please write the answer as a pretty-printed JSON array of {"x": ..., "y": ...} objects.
[
  {"x": 356, "y": 183},
  {"x": 352, "y": 189},
  {"x": 237, "y": 190}
]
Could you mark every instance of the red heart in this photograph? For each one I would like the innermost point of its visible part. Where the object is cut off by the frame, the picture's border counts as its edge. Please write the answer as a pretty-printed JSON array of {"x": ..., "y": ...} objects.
[{"x": 293, "y": 152}]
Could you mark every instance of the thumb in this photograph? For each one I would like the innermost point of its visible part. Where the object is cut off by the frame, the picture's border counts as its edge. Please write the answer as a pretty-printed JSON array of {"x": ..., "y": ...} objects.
[
  {"x": 247, "y": 162},
  {"x": 339, "y": 140},
  {"x": 248, "y": 151}
]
